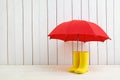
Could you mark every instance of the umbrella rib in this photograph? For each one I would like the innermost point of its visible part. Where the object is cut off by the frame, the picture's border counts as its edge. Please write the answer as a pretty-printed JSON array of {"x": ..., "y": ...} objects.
[{"x": 91, "y": 29}]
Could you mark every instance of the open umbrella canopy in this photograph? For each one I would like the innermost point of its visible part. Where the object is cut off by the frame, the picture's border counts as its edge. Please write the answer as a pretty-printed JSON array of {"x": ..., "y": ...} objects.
[{"x": 78, "y": 30}]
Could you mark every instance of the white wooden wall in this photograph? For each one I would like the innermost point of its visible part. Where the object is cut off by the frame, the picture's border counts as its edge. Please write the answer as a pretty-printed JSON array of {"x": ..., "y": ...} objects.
[{"x": 25, "y": 24}]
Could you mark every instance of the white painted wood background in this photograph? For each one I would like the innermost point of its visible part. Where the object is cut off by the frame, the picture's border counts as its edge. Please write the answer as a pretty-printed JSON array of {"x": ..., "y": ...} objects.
[{"x": 25, "y": 24}]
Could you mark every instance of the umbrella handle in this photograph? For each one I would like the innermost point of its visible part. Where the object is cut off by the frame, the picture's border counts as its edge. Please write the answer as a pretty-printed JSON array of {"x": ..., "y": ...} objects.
[
  {"x": 82, "y": 46},
  {"x": 77, "y": 41},
  {"x": 77, "y": 45}
]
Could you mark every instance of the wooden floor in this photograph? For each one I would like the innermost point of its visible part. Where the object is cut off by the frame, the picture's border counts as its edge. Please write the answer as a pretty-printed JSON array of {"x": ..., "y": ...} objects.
[{"x": 53, "y": 72}]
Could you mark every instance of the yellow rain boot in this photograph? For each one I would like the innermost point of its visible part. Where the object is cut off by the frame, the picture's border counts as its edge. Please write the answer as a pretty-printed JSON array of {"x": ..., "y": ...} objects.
[
  {"x": 84, "y": 62},
  {"x": 76, "y": 60}
]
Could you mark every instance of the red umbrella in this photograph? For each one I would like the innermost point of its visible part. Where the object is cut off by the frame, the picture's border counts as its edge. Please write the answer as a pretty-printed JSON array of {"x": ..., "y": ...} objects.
[{"x": 78, "y": 30}]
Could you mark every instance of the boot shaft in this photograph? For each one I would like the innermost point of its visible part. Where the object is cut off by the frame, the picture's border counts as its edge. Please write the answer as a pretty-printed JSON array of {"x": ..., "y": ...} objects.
[
  {"x": 84, "y": 59},
  {"x": 76, "y": 58}
]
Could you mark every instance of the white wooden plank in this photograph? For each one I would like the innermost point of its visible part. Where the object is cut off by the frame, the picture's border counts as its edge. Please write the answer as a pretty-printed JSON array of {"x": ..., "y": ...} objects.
[
  {"x": 36, "y": 31},
  {"x": 85, "y": 16},
  {"x": 60, "y": 19},
  {"x": 76, "y": 9},
  {"x": 15, "y": 46},
  {"x": 117, "y": 31},
  {"x": 27, "y": 32},
  {"x": 18, "y": 31},
  {"x": 93, "y": 45},
  {"x": 11, "y": 32},
  {"x": 110, "y": 31},
  {"x": 3, "y": 32},
  {"x": 43, "y": 32},
  {"x": 102, "y": 23},
  {"x": 76, "y": 15},
  {"x": 51, "y": 26},
  {"x": 68, "y": 45}
]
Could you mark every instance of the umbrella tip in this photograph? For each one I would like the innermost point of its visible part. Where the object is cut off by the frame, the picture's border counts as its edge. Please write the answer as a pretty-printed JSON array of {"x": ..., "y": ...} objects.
[{"x": 109, "y": 38}]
